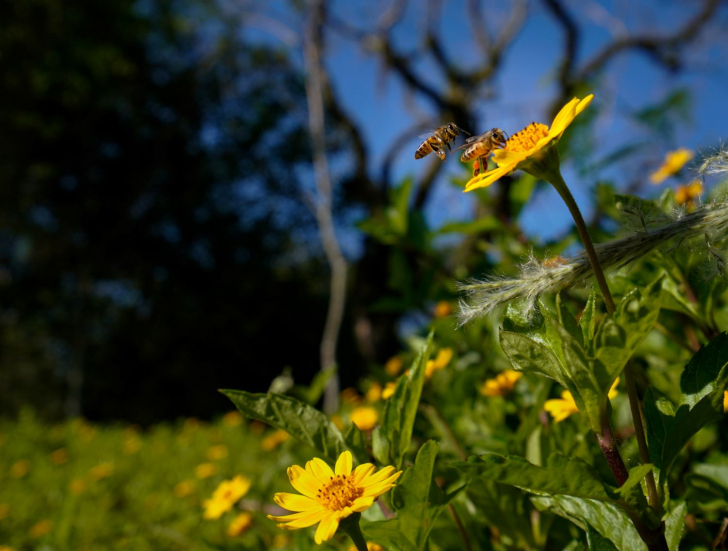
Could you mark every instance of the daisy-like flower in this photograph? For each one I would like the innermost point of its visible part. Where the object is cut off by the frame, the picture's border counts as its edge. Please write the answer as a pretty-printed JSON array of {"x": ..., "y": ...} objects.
[
  {"x": 686, "y": 195},
  {"x": 532, "y": 149},
  {"x": 240, "y": 524},
  {"x": 502, "y": 384},
  {"x": 227, "y": 494},
  {"x": 674, "y": 161},
  {"x": 329, "y": 496},
  {"x": 388, "y": 390},
  {"x": 564, "y": 407}
]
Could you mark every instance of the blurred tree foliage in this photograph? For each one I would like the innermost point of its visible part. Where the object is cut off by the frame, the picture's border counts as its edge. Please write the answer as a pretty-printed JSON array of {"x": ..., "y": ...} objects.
[{"x": 140, "y": 249}]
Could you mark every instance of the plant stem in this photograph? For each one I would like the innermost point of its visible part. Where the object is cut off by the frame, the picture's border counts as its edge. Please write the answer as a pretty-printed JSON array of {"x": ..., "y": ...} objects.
[{"x": 350, "y": 525}]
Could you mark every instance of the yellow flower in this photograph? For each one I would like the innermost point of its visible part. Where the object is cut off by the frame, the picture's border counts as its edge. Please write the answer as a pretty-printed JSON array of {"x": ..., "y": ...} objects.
[
  {"x": 273, "y": 440},
  {"x": 217, "y": 452},
  {"x": 240, "y": 524},
  {"x": 40, "y": 529},
  {"x": 441, "y": 360},
  {"x": 389, "y": 390},
  {"x": 502, "y": 384},
  {"x": 20, "y": 468},
  {"x": 674, "y": 161},
  {"x": 527, "y": 149},
  {"x": 365, "y": 417},
  {"x": 102, "y": 470},
  {"x": 393, "y": 366},
  {"x": 442, "y": 310},
  {"x": 184, "y": 488},
  {"x": 371, "y": 546},
  {"x": 562, "y": 408},
  {"x": 725, "y": 401},
  {"x": 329, "y": 496},
  {"x": 205, "y": 470},
  {"x": 59, "y": 457},
  {"x": 227, "y": 494},
  {"x": 4, "y": 510},
  {"x": 686, "y": 195},
  {"x": 232, "y": 419},
  {"x": 77, "y": 486},
  {"x": 374, "y": 393}
]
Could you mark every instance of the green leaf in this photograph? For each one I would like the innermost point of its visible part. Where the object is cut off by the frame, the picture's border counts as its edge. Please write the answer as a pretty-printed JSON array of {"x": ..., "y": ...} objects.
[
  {"x": 563, "y": 475},
  {"x": 504, "y": 508},
  {"x": 596, "y": 541},
  {"x": 706, "y": 371},
  {"x": 588, "y": 321},
  {"x": 606, "y": 518},
  {"x": 417, "y": 501},
  {"x": 391, "y": 439},
  {"x": 674, "y": 525},
  {"x": 525, "y": 354},
  {"x": 640, "y": 213},
  {"x": 312, "y": 393},
  {"x": 619, "y": 335},
  {"x": 356, "y": 442},
  {"x": 715, "y": 473},
  {"x": 300, "y": 420}
]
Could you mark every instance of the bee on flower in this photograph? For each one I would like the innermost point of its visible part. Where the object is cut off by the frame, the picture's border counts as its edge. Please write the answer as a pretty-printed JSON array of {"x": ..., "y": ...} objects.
[{"x": 328, "y": 496}]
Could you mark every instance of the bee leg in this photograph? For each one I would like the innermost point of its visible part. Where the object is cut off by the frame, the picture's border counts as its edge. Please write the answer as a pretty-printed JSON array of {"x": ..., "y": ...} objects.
[{"x": 448, "y": 147}]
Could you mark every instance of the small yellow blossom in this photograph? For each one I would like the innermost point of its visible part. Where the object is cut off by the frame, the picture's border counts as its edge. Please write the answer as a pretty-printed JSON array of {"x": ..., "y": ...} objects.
[
  {"x": 686, "y": 195},
  {"x": 389, "y": 390},
  {"x": 440, "y": 362},
  {"x": 393, "y": 366},
  {"x": 40, "y": 529},
  {"x": 374, "y": 394},
  {"x": 102, "y": 470},
  {"x": 365, "y": 417},
  {"x": 371, "y": 546},
  {"x": 4, "y": 510},
  {"x": 674, "y": 161},
  {"x": 215, "y": 453},
  {"x": 184, "y": 488},
  {"x": 59, "y": 456},
  {"x": 132, "y": 445},
  {"x": 205, "y": 470},
  {"x": 331, "y": 495},
  {"x": 530, "y": 145},
  {"x": 273, "y": 440},
  {"x": 502, "y": 385},
  {"x": 240, "y": 524},
  {"x": 77, "y": 486},
  {"x": 564, "y": 407},
  {"x": 20, "y": 468},
  {"x": 725, "y": 401},
  {"x": 227, "y": 494},
  {"x": 232, "y": 419},
  {"x": 442, "y": 310}
]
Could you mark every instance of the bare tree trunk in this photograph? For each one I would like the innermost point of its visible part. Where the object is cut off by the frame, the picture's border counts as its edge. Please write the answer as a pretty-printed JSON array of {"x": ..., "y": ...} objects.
[{"x": 323, "y": 201}]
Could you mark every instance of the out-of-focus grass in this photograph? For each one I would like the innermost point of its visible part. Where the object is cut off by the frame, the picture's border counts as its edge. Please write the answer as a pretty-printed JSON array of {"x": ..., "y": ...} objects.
[{"x": 78, "y": 486}]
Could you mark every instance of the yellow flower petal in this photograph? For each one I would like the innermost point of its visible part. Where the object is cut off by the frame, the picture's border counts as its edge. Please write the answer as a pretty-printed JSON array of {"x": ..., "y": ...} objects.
[
  {"x": 326, "y": 529},
  {"x": 319, "y": 469},
  {"x": 295, "y": 502},
  {"x": 362, "y": 471},
  {"x": 564, "y": 117},
  {"x": 300, "y": 520},
  {"x": 344, "y": 464},
  {"x": 385, "y": 473},
  {"x": 362, "y": 504},
  {"x": 484, "y": 180},
  {"x": 303, "y": 481}
]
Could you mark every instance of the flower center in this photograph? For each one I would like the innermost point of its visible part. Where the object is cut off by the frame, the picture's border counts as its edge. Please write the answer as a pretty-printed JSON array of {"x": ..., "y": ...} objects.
[
  {"x": 526, "y": 139},
  {"x": 339, "y": 492}
]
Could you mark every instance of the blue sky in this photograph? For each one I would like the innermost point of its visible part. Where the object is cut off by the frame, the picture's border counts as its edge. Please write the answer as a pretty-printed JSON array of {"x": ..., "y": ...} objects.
[{"x": 525, "y": 88}]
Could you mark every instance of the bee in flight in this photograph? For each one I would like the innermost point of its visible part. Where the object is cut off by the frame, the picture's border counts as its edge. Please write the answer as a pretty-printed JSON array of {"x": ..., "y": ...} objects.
[
  {"x": 437, "y": 141},
  {"x": 479, "y": 147}
]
